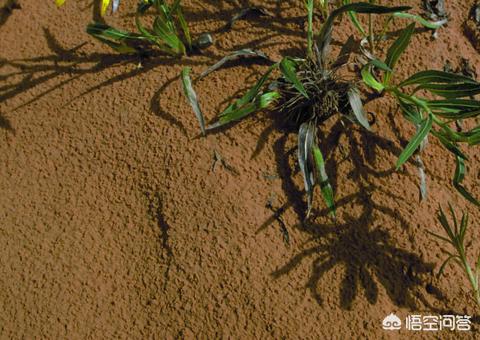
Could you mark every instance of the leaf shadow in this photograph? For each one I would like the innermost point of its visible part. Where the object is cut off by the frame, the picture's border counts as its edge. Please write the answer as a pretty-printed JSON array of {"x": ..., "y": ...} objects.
[
  {"x": 358, "y": 244},
  {"x": 64, "y": 65}
]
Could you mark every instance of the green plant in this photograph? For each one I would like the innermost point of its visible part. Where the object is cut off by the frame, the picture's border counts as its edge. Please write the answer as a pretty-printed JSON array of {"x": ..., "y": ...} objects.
[
  {"x": 430, "y": 116},
  {"x": 455, "y": 237},
  {"x": 372, "y": 38},
  {"x": 163, "y": 33},
  {"x": 307, "y": 93}
]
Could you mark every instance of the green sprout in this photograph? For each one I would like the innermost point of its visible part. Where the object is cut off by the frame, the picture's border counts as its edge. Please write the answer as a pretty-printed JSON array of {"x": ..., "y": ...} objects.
[
  {"x": 164, "y": 33},
  {"x": 308, "y": 92},
  {"x": 372, "y": 39},
  {"x": 454, "y": 102},
  {"x": 456, "y": 238}
]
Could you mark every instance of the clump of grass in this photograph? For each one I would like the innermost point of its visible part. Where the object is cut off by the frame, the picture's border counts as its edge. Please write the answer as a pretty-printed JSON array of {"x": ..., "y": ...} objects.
[
  {"x": 455, "y": 237},
  {"x": 308, "y": 92},
  {"x": 163, "y": 33},
  {"x": 454, "y": 103},
  {"x": 168, "y": 33}
]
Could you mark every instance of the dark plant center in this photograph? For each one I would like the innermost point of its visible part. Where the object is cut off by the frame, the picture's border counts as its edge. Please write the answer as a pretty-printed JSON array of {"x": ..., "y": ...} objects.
[{"x": 327, "y": 95}]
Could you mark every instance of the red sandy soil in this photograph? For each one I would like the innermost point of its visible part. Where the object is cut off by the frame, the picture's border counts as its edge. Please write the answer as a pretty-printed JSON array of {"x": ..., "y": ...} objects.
[{"x": 114, "y": 225}]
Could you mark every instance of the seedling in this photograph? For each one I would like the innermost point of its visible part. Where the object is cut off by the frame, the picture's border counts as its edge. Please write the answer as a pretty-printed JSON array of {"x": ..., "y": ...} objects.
[
  {"x": 370, "y": 38},
  {"x": 431, "y": 116},
  {"x": 163, "y": 34},
  {"x": 308, "y": 92},
  {"x": 455, "y": 237}
]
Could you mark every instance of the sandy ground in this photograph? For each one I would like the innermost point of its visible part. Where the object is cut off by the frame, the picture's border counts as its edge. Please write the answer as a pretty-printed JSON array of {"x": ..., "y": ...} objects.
[{"x": 115, "y": 225}]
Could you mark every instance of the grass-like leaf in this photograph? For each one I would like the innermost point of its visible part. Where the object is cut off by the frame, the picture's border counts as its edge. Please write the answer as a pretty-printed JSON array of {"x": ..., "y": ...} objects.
[
  {"x": 184, "y": 25},
  {"x": 120, "y": 41},
  {"x": 369, "y": 79},
  {"x": 309, "y": 4},
  {"x": 381, "y": 65},
  {"x": 456, "y": 90},
  {"x": 288, "y": 69},
  {"x": 357, "y": 107},
  {"x": 325, "y": 35},
  {"x": 306, "y": 135},
  {"x": 234, "y": 56},
  {"x": 458, "y": 179},
  {"x": 192, "y": 97},
  {"x": 396, "y": 50},
  {"x": 456, "y": 104},
  {"x": 354, "y": 20},
  {"x": 428, "y": 24},
  {"x": 450, "y": 146},
  {"x": 435, "y": 77},
  {"x": 455, "y": 237},
  {"x": 410, "y": 112},
  {"x": 415, "y": 142},
  {"x": 252, "y": 101},
  {"x": 322, "y": 179}
]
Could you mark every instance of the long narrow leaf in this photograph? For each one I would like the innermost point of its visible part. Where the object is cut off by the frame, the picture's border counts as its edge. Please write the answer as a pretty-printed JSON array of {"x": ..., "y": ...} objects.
[
  {"x": 110, "y": 32},
  {"x": 252, "y": 101},
  {"x": 458, "y": 179},
  {"x": 428, "y": 24},
  {"x": 233, "y": 56},
  {"x": 415, "y": 142},
  {"x": 325, "y": 35},
  {"x": 322, "y": 179},
  {"x": 184, "y": 26},
  {"x": 450, "y": 146},
  {"x": 459, "y": 104},
  {"x": 234, "y": 115},
  {"x": 396, "y": 50},
  {"x": 354, "y": 19},
  {"x": 370, "y": 80},
  {"x": 309, "y": 5},
  {"x": 357, "y": 107},
  {"x": 444, "y": 264},
  {"x": 452, "y": 90},
  {"x": 410, "y": 111},
  {"x": 434, "y": 76},
  {"x": 250, "y": 95},
  {"x": 288, "y": 69},
  {"x": 305, "y": 142},
  {"x": 167, "y": 34},
  {"x": 192, "y": 97}
]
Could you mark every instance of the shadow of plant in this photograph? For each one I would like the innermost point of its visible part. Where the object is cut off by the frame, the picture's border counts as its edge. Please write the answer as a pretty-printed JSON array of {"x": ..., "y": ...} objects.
[
  {"x": 70, "y": 62},
  {"x": 364, "y": 249}
]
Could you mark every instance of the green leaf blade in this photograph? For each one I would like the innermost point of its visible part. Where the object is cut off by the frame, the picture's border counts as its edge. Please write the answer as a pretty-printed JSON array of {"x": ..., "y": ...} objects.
[
  {"x": 192, "y": 98},
  {"x": 323, "y": 181},
  {"x": 288, "y": 69},
  {"x": 415, "y": 142},
  {"x": 396, "y": 50}
]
